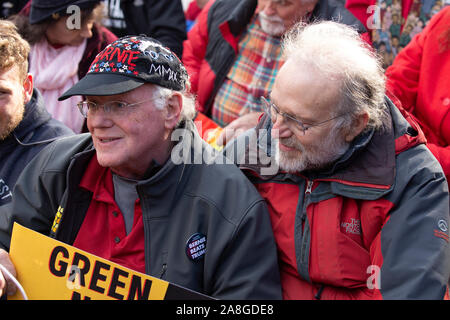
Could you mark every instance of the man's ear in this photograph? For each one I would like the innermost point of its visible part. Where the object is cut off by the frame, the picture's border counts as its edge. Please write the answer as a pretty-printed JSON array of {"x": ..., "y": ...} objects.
[
  {"x": 358, "y": 125},
  {"x": 27, "y": 88},
  {"x": 173, "y": 110}
]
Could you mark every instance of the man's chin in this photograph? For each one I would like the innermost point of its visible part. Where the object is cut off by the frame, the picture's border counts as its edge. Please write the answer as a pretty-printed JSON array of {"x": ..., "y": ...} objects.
[
  {"x": 8, "y": 129},
  {"x": 273, "y": 29},
  {"x": 292, "y": 167},
  {"x": 290, "y": 161}
]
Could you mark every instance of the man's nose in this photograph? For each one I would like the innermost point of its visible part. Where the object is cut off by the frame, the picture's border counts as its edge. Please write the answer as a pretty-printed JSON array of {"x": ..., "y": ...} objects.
[
  {"x": 280, "y": 129},
  {"x": 99, "y": 118},
  {"x": 268, "y": 7}
]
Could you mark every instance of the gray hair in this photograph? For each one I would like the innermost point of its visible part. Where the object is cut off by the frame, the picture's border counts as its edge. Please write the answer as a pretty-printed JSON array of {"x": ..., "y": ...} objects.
[
  {"x": 337, "y": 52},
  {"x": 188, "y": 109}
]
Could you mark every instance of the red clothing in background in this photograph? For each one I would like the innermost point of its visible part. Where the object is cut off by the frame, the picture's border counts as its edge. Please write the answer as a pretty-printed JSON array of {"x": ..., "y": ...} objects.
[{"x": 420, "y": 79}]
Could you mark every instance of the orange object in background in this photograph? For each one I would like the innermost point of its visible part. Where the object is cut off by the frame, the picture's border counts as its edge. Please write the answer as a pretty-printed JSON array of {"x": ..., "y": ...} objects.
[{"x": 208, "y": 130}]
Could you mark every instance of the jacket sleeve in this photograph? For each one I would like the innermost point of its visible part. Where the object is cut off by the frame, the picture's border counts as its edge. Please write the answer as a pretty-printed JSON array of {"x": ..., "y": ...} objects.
[
  {"x": 194, "y": 48},
  {"x": 249, "y": 266},
  {"x": 402, "y": 80},
  {"x": 359, "y": 8},
  {"x": 442, "y": 154},
  {"x": 402, "y": 77},
  {"x": 34, "y": 202},
  {"x": 163, "y": 20},
  {"x": 411, "y": 254}
]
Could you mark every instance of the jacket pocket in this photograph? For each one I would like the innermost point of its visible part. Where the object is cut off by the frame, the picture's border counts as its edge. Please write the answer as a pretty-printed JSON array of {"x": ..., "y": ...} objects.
[{"x": 337, "y": 255}]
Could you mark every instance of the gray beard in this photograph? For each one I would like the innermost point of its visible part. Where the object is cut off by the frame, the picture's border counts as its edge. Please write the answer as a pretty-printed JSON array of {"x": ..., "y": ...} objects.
[
  {"x": 301, "y": 159},
  {"x": 275, "y": 28}
]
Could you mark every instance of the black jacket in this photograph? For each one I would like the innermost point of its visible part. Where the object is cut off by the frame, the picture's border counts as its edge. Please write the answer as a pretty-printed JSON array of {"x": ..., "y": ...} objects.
[
  {"x": 163, "y": 20},
  {"x": 35, "y": 131},
  {"x": 177, "y": 202},
  {"x": 10, "y": 7}
]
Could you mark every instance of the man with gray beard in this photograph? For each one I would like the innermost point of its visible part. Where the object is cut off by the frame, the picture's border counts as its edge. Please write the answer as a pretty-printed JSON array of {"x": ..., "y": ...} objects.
[
  {"x": 233, "y": 54},
  {"x": 358, "y": 205}
]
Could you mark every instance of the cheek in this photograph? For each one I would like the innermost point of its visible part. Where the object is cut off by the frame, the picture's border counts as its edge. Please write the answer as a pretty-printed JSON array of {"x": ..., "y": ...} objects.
[
  {"x": 290, "y": 17},
  {"x": 139, "y": 130},
  {"x": 69, "y": 37},
  {"x": 73, "y": 37},
  {"x": 4, "y": 115}
]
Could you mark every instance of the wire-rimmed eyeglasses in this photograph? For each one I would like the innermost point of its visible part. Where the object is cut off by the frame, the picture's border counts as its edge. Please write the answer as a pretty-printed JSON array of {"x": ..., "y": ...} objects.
[
  {"x": 273, "y": 111},
  {"x": 111, "y": 107}
]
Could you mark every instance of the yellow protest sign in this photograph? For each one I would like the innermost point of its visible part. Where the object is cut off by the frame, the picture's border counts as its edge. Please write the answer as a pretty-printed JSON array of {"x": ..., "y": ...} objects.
[{"x": 51, "y": 270}]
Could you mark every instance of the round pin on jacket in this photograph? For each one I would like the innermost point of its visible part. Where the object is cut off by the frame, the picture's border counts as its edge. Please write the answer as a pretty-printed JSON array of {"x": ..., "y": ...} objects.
[{"x": 196, "y": 246}]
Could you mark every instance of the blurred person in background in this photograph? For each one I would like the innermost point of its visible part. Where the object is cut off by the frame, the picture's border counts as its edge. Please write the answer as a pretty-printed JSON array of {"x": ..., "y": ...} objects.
[
  {"x": 233, "y": 54},
  {"x": 394, "y": 22},
  {"x": 25, "y": 125},
  {"x": 163, "y": 20},
  {"x": 420, "y": 79},
  {"x": 64, "y": 41}
]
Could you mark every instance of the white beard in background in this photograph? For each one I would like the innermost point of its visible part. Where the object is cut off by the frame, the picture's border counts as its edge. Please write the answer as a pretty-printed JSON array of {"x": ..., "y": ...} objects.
[{"x": 272, "y": 25}]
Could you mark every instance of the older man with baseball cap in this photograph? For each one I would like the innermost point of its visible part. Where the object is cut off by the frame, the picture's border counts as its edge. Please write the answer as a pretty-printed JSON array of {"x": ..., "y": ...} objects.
[{"x": 131, "y": 192}]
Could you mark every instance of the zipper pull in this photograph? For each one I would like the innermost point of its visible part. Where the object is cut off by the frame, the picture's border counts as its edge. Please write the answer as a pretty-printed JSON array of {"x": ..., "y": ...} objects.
[
  {"x": 309, "y": 187},
  {"x": 163, "y": 271}
]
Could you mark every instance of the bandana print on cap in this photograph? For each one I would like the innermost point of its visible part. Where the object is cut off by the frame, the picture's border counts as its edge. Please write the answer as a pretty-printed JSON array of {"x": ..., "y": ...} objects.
[{"x": 143, "y": 59}]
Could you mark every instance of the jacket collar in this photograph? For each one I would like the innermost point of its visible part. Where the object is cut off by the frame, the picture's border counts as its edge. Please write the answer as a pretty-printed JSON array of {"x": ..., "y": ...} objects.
[
  {"x": 243, "y": 11},
  {"x": 35, "y": 115},
  {"x": 334, "y": 10}
]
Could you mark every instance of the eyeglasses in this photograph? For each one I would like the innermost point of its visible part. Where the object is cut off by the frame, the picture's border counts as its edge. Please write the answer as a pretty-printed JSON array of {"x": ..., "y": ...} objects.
[
  {"x": 273, "y": 111},
  {"x": 111, "y": 107}
]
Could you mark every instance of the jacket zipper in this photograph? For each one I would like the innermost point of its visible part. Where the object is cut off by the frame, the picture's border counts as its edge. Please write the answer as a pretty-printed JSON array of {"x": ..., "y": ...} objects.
[
  {"x": 309, "y": 186},
  {"x": 318, "y": 295},
  {"x": 163, "y": 271},
  {"x": 308, "y": 191},
  {"x": 304, "y": 249}
]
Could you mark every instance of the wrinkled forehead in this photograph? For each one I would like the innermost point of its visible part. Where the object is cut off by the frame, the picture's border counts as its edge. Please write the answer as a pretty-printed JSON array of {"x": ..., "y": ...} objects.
[{"x": 299, "y": 89}]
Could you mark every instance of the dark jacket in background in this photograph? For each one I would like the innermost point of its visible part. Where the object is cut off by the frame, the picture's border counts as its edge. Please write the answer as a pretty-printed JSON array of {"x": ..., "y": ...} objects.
[
  {"x": 10, "y": 7},
  {"x": 35, "y": 131},
  {"x": 163, "y": 20}
]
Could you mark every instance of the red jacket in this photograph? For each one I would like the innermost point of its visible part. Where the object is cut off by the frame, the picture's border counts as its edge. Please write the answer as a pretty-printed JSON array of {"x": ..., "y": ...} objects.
[
  {"x": 361, "y": 10},
  {"x": 420, "y": 79},
  {"x": 374, "y": 225}
]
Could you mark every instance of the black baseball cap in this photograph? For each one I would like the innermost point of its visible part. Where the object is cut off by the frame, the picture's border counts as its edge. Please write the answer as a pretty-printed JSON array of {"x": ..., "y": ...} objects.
[{"x": 128, "y": 63}]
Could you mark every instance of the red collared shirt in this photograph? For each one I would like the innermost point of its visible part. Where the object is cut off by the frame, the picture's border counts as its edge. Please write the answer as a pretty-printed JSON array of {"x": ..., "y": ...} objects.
[{"x": 103, "y": 230}]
